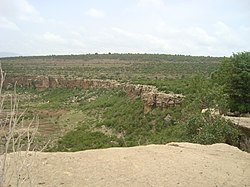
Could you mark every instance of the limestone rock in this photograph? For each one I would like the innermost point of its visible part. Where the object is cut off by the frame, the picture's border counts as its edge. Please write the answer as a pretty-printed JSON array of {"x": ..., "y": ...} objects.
[{"x": 150, "y": 96}]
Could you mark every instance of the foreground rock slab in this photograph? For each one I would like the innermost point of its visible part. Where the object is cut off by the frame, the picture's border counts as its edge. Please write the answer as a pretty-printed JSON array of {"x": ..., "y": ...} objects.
[{"x": 174, "y": 164}]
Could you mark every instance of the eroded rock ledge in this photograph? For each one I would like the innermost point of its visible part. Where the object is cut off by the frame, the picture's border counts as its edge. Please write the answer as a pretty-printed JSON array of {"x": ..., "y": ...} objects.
[
  {"x": 150, "y": 95},
  {"x": 174, "y": 164}
]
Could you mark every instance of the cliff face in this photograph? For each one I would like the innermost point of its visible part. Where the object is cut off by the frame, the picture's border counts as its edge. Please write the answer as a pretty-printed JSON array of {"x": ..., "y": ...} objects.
[
  {"x": 150, "y": 96},
  {"x": 243, "y": 123}
]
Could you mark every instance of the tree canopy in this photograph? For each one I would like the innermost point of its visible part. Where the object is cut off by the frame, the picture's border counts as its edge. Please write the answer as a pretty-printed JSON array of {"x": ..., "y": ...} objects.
[{"x": 234, "y": 75}]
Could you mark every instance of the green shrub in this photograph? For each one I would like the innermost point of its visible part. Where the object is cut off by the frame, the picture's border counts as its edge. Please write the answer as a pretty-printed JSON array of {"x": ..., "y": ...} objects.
[
  {"x": 80, "y": 139},
  {"x": 234, "y": 75},
  {"x": 208, "y": 129},
  {"x": 126, "y": 119}
]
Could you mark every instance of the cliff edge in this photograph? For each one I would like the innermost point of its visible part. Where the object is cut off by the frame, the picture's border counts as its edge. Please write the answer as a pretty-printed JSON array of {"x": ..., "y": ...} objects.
[{"x": 174, "y": 164}]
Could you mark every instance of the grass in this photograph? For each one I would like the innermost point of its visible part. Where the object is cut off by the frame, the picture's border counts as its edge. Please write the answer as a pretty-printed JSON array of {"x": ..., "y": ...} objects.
[
  {"x": 123, "y": 67},
  {"x": 125, "y": 119},
  {"x": 80, "y": 139},
  {"x": 99, "y": 118}
]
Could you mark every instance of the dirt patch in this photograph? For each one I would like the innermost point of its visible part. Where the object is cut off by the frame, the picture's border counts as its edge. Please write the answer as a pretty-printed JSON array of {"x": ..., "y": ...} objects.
[{"x": 175, "y": 164}]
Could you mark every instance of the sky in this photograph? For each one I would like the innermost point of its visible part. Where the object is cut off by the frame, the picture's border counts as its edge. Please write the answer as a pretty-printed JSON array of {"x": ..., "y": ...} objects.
[{"x": 189, "y": 27}]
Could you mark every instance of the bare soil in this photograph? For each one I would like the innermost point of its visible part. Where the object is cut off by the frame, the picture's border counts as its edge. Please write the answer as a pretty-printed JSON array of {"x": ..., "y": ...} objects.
[{"x": 174, "y": 164}]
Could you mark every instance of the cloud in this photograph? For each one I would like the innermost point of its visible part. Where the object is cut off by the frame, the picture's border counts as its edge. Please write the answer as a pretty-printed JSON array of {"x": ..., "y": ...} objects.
[
  {"x": 144, "y": 26},
  {"x": 199, "y": 35},
  {"x": 185, "y": 40},
  {"x": 19, "y": 9},
  {"x": 95, "y": 13},
  {"x": 151, "y": 3},
  {"x": 51, "y": 38},
  {"x": 138, "y": 37},
  {"x": 225, "y": 33},
  {"x": 137, "y": 42},
  {"x": 7, "y": 24},
  {"x": 66, "y": 43}
]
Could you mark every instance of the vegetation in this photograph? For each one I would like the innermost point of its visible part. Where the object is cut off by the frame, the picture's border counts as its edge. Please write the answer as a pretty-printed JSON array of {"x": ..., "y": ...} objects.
[
  {"x": 123, "y": 67},
  {"x": 207, "y": 129},
  {"x": 121, "y": 122},
  {"x": 234, "y": 75},
  {"x": 77, "y": 119},
  {"x": 15, "y": 138}
]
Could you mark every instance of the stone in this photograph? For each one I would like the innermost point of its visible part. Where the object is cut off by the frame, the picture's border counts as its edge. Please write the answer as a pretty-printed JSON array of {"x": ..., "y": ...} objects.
[
  {"x": 150, "y": 95},
  {"x": 168, "y": 119}
]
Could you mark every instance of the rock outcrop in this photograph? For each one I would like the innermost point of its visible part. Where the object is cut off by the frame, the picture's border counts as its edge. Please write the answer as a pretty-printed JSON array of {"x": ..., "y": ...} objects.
[
  {"x": 174, "y": 164},
  {"x": 150, "y": 95},
  {"x": 243, "y": 123}
]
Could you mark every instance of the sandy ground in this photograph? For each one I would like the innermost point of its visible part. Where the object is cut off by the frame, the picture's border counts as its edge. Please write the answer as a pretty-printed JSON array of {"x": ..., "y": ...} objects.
[{"x": 174, "y": 164}]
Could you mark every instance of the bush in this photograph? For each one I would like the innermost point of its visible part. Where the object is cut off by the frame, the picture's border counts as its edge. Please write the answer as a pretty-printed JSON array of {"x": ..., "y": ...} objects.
[
  {"x": 125, "y": 119},
  {"x": 234, "y": 74},
  {"x": 208, "y": 129},
  {"x": 82, "y": 140}
]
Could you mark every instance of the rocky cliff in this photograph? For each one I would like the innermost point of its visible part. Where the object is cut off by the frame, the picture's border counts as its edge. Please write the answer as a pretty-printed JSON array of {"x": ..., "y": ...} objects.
[{"x": 150, "y": 95}]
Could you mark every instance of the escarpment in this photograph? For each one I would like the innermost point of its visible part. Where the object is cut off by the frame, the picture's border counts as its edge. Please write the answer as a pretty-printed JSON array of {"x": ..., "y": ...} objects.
[{"x": 150, "y": 95}]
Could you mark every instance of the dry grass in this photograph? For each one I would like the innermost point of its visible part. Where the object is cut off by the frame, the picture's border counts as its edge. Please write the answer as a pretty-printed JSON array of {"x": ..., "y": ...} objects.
[{"x": 17, "y": 139}]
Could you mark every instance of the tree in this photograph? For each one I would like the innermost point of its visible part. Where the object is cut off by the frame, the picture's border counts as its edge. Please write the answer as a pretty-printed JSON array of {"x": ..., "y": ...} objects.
[{"x": 234, "y": 74}]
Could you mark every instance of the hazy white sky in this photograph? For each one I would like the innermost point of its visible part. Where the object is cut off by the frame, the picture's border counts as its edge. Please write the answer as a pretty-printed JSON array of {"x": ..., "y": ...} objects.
[{"x": 195, "y": 27}]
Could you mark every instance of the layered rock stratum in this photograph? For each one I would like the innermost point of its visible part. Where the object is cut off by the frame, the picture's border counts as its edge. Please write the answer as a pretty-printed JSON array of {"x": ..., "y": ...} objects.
[{"x": 150, "y": 95}]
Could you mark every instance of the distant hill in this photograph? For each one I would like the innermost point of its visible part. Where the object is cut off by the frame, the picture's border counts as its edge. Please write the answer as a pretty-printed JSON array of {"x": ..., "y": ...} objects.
[{"x": 8, "y": 54}]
